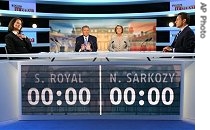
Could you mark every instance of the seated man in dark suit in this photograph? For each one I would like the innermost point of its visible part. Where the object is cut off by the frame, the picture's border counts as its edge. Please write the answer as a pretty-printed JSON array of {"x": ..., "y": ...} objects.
[
  {"x": 185, "y": 39},
  {"x": 86, "y": 42}
]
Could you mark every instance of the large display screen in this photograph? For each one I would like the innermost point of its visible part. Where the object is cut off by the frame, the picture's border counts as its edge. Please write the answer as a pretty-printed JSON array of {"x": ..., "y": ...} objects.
[
  {"x": 141, "y": 33},
  {"x": 111, "y": 89}
]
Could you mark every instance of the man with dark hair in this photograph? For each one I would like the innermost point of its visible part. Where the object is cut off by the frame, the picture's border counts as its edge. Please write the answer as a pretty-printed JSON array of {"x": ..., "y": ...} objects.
[
  {"x": 184, "y": 41},
  {"x": 86, "y": 42}
]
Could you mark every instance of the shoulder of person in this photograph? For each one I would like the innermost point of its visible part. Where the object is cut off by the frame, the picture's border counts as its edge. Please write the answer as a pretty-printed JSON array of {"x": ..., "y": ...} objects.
[
  {"x": 125, "y": 36},
  {"x": 10, "y": 34},
  {"x": 191, "y": 29},
  {"x": 92, "y": 36},
  {"x": 188, "y": 30},
  {"x": 113, "y": 36},
  {"x": 81, "y": 36}
]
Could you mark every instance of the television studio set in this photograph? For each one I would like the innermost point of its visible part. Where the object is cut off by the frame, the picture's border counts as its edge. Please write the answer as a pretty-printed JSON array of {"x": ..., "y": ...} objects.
[{"x": 97, "y": 64}]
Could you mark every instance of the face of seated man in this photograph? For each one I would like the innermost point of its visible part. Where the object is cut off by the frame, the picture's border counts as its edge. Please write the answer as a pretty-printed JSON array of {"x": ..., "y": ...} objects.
[
  {"x": 85, "y": 31},
  {"x": 180, "y": 22}
]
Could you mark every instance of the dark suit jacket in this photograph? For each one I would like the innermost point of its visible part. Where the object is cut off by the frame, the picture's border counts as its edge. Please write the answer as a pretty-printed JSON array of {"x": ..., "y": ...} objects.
[
  {"x": 15, "y": 45},
  {"x": 91, "y": 39},
  {"x": 185, "y": 42}
]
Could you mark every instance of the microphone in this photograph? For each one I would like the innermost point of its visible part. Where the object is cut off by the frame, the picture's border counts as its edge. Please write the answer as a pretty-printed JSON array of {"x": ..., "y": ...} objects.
[
  {"x": 56, "y": 41},
  {"x": 125, "y": 44},
  {"x": 147, "y": 40},
  {"x": 58, "y": 45},
  {"x": 52, "y": 39},
  {"x": 111, "y": 46}
]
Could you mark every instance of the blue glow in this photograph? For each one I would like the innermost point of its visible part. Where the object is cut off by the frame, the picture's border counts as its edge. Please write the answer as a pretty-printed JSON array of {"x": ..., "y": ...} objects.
[
  {"x": 98, "y": 2},
  {"x": 34, "y": 1},
  {"x": 95, "y": 16}
]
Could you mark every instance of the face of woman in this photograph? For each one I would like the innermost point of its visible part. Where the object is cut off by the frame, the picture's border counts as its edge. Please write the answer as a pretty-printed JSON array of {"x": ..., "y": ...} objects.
[
  {"x": 17, "y": 25},
  {"x": 118, "y": 30}
]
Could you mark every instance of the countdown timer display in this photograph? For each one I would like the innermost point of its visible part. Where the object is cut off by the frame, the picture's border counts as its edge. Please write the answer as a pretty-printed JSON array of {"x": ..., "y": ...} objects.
[{"x": 140, "y": 89}]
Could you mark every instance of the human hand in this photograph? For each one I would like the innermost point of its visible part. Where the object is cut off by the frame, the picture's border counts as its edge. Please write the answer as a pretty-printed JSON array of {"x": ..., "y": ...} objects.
[
  {"x": 88, "y": 46},
  {"x": 167, "y": 49},
  {"x": 82, "y": 47},
  {"x": 21, "y": 36}
]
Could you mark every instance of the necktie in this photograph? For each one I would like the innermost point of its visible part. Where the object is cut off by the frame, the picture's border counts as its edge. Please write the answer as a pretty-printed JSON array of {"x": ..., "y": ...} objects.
[
  {"x": 85, "y": 41},
  {"x": 175, "y": 39},
  {"x": 177, "y": 34}
]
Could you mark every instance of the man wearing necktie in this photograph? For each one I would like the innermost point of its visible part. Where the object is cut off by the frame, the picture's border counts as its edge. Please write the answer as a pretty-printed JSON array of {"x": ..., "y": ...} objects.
[
  {"x": 185, "y": 39},
  {"x": 86, "y": 42}
]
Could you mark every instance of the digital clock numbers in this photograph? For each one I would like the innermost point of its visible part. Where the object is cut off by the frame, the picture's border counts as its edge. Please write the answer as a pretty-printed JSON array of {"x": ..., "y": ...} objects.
[
  {"x": 47, "y": 92},
  {"x": 141, "y": 93},
  {"x": 138, "y": 89}
]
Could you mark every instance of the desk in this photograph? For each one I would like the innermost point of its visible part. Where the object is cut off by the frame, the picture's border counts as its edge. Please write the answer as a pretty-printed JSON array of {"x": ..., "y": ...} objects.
[
  {"x": 73, "y": 86},
  {"x": 100, "y": 55}
]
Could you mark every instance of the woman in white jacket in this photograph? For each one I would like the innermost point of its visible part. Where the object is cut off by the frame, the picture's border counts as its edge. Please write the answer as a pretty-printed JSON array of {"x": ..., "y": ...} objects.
[{"x": 119, "y": 42}]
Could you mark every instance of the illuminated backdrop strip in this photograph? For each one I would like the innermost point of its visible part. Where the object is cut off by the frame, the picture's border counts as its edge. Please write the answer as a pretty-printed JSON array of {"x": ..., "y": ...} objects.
[
  {"x": 99, "y": 2},
  {"x": 83, "y": 16}
]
